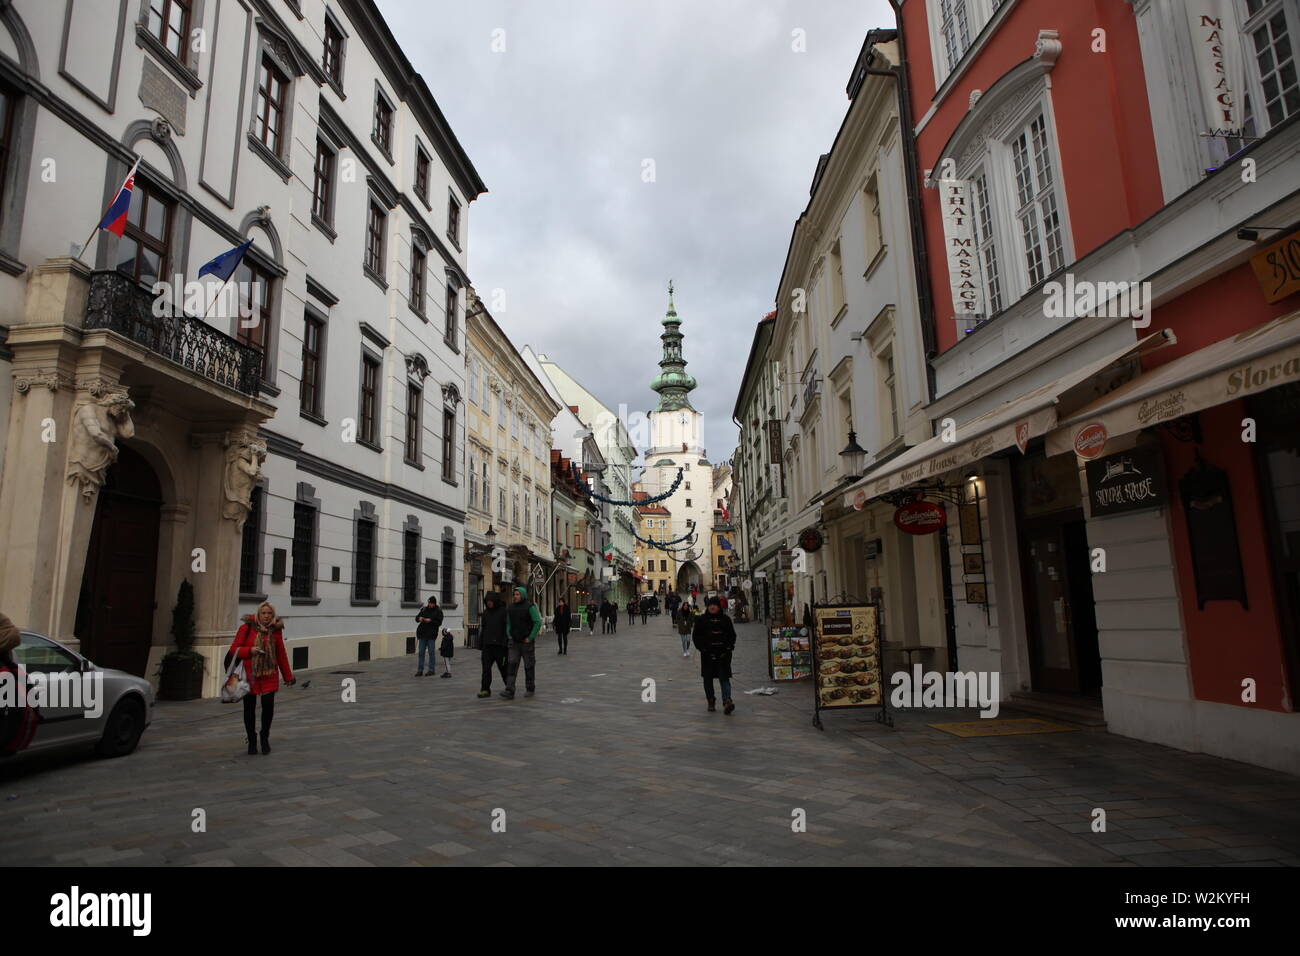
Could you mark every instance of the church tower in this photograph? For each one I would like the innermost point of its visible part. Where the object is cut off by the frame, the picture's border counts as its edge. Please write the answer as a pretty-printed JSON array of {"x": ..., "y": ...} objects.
[{"x": 676, "y": 435}]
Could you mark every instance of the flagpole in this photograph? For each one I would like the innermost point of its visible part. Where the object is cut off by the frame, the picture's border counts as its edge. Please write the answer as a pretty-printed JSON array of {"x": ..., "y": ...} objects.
[
  {"x": 220, "y": 289},
  {"x": 100, "y": 224}
]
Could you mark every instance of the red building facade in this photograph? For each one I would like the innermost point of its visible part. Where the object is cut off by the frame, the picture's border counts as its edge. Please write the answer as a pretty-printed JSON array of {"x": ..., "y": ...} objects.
[{"x": 1110, "y": 199}]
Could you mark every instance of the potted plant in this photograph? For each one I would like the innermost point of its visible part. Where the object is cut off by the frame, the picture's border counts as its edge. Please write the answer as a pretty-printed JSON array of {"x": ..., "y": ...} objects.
[{"x": 180, "y": 672}]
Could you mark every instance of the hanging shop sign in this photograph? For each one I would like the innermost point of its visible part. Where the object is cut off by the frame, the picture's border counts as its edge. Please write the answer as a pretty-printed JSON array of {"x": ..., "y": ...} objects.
[
  {"x": 959, "y": 243},
  {"x": 1277, "y": 268},
  {"x": 775, "y": 455},
  {"x": 1022, "y": 436},
  {"x": 1212, "y": 535},
  {"x": 789, "y": 653},
  {"x": 1090, "y": 440},
  {"x": 859, "y": 500},
  {"x": 872, "y": 549},
  {"x": 810, "y": 540},
  {"x": 920, "y": 517},
  {"x": 1216, "y": 56},
  {"x": 1132, "y": 480},
  {"x": 847, "y": 660}
]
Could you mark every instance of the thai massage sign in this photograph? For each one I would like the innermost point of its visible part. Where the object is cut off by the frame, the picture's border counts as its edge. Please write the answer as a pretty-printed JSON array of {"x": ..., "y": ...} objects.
[
  {"x": 1216, "y": 55},
  {"x": 959, "y": 243},
  {"x": 1132, "y": 480}
]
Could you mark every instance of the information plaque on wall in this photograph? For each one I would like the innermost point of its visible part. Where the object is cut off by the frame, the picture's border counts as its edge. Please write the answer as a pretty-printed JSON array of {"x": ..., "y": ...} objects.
[
  {"x": 847, "y": 660},
  {"x": 789, "y": 654}
]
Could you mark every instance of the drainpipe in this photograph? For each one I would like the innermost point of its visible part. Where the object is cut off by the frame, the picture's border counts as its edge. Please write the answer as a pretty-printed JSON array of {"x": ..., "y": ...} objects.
[{"x": 923, "y": 297}]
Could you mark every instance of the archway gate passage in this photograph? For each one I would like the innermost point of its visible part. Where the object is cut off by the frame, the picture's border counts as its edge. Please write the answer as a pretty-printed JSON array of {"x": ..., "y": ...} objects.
[
  {"x": 688, "y": 576},
  {"x": 115, "y": 615}
]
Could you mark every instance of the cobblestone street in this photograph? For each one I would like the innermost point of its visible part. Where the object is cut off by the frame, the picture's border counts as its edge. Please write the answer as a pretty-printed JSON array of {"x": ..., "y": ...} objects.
[{"x": 589, "y": 774}]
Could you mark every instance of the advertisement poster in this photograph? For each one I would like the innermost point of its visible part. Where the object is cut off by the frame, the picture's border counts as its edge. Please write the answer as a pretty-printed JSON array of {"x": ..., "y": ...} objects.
[
  {"x": 789, "y": 653},
  {"x": 846, "y": 643}
]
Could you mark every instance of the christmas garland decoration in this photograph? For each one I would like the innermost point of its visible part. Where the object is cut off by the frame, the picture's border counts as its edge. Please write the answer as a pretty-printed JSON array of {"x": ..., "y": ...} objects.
[
  {"x": 644, "y": 501},
  {"x": 663, "y": 545}
]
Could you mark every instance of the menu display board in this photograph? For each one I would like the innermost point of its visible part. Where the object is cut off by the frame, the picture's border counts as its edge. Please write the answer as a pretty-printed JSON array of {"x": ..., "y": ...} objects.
[
  {"x": 789, "y": 653},
  {"x": 846, "y": 658}
]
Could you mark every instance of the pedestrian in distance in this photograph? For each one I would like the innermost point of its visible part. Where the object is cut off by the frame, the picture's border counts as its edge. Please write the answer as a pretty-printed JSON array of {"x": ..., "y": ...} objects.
[
  {"x": 715, "y": 637},
  {"x": 563, "y": 621},
  {"x": 523, "y": 622},
  {"x": 427, "y": 624},
  {"x": 494, "y": 640},
  {"x": 685, "y": 625},
  {"x": 18, "y": 723},
  {"x": 604, "y": 616},
  {"x": 645, "y": 608},
  {"x": 448, "y": 650},
  {"x": 591, "y": 618},
  {"x": 613, "y": 617},
  {"x": 259, "y": 643},
  {"x": 631, "y": 611}
]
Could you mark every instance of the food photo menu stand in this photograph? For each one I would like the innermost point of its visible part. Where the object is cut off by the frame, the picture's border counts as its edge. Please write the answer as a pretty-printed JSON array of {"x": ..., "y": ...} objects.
[
  {"x": 848, "y": 634},
  {"x": 796, "y": 664}
]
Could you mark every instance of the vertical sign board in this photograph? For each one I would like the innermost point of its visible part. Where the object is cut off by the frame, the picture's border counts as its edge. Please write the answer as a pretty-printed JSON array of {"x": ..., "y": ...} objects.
[
  {"x": 847, "y": 660},
  {"x": 775, "y": 456},
  {"x": 789, "y": 653},
  {"x": 1216, "y": 55},
  {"x": 955, "y": 197}
]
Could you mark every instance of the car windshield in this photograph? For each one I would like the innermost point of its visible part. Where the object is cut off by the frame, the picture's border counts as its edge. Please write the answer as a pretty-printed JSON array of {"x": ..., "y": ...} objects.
[{"x": 40, "y": 655}]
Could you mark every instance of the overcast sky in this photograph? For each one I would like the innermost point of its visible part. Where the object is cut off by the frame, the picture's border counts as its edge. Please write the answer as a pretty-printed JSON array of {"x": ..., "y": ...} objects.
[{"x": 559, "y": 126}]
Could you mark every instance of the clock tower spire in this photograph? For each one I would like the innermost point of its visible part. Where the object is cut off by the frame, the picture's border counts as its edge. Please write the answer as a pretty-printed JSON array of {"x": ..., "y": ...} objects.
[{"x": 673, "y": 384}]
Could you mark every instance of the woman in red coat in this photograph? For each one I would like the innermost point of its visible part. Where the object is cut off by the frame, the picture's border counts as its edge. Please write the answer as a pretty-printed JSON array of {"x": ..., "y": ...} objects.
[{"x": 259, "y": 643}]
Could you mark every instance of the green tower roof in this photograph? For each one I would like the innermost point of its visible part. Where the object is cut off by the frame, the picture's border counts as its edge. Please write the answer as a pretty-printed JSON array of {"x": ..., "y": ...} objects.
[{"x": 673, "y": 384}]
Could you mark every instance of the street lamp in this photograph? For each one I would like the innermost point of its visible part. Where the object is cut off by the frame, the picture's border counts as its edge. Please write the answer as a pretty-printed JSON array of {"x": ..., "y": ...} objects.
[
  {"x": 854, "y": 457},
  {"x": 491, "y": 536}
]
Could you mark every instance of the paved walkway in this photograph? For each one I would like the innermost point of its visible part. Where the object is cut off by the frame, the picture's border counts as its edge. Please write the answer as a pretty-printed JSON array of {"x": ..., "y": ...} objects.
[{"x": 586, "y": 773}]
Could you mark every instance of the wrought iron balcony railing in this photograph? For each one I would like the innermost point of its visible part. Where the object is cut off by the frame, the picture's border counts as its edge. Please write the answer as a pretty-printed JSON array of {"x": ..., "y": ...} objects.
[{"x": 118, "y": 303}]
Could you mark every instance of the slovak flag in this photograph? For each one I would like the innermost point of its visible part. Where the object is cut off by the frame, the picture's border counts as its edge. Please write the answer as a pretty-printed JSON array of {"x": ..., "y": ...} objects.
[{"x": 115, "y": 218}]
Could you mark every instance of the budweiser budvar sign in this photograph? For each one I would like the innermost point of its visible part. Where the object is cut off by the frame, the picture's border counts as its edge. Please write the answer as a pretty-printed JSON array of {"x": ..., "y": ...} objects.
[
  {"x": 920, "y": 517},
  {"x": 1090, "y": 440}
]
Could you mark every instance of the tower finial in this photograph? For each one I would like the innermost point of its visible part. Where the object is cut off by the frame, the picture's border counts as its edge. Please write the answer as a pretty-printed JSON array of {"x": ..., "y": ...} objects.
[{"x": 670, "y": 295}]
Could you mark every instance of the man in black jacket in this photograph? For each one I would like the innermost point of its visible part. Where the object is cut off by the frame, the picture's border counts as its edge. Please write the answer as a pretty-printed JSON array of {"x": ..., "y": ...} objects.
[
  {"x": 715, "y": 637},
  {"x": 427, "y": 624},
  {"x": 494, "y": 639}
]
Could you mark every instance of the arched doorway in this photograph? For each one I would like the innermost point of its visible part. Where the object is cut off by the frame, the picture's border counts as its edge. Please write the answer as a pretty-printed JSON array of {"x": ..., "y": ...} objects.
[
  {"x": 688, "y": 576},
  {"x": 116, "y": 609}
]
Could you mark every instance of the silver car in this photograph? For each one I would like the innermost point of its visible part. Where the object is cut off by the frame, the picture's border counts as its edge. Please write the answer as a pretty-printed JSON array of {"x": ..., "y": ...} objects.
[{"x": 126, "y": 705}]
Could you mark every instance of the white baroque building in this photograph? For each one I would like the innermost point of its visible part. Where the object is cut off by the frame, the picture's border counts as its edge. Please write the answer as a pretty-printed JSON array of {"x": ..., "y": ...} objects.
[{"x": 305, "y": 448}]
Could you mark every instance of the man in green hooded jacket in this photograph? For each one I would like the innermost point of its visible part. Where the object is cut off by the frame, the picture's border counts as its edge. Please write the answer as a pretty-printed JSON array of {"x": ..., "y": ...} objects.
[{"x": 523, "y": 621}]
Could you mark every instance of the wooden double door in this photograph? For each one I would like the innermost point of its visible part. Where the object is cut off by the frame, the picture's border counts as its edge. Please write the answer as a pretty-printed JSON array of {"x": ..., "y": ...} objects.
[{"x": 115, "y": 612}]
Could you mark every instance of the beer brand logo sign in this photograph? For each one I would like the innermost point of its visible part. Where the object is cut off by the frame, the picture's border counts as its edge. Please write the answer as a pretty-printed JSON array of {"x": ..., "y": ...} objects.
[
  {"x": 1162, "y": 409},
  {"x": 859, "y": 500},
  {"x": 810, "y": 539},
  {"x": 1090, "y": 441},
  {"x": 920, "y": 517},
  {"x": 1022, "y": 436}
]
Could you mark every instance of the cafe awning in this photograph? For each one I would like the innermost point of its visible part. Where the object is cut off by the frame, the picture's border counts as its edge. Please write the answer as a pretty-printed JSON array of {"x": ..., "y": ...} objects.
[
  {"x": 1015, "y": 422},
  {"x": 1253, "y": 361}
]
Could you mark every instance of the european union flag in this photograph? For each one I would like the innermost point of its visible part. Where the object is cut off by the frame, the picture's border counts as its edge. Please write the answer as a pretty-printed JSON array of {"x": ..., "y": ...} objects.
[{"x": 224, "y": 265}]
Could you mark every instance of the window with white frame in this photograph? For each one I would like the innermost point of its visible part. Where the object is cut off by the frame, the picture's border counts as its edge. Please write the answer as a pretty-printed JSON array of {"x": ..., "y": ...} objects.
[
  {"x": 1269, "y": 29},
  {"x": 888, "y": 392},
  {"x": 871, "y": 212},
  {"x": 473, "y": 480},
  {"x": 986, "y": 247},
  {"x": 473, "y": 381},
  {"x": 954, "y": 28},
  {"x": 1036, "y": 207}
]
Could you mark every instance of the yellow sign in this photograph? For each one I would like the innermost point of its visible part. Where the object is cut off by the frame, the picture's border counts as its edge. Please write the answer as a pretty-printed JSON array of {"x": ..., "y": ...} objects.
[
  {"x": 847, "y": 657},
  {"x": 1277, "y": 267}
]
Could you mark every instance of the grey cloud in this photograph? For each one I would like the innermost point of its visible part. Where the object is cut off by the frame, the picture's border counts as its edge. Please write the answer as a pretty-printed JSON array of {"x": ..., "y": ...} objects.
[{"x": 558, "y": 126}]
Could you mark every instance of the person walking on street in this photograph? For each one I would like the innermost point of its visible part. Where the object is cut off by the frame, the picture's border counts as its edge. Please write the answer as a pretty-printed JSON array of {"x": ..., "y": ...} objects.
[
  {"x": 563, "y": 621},
  {"x": 494, "y": 639},
  {"x": 631, "y": 611},
  {"x": 591, "y": 618},
  {"x": 259, "y": 643},
  {"x": 428, "y": 622},
  {"x": 645, "y": 608},
  {"x": 684, "y": 627},
  {"x": 715, "y": 636},
  {"x": 523, "y": 621},
  {"x": 613, "y": 617}
]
